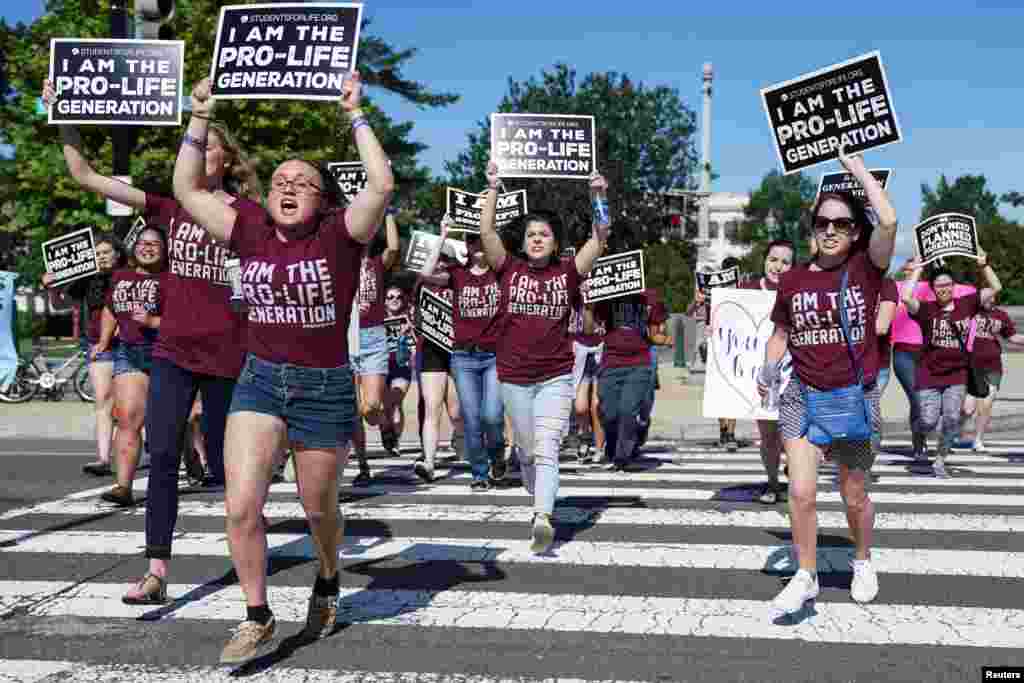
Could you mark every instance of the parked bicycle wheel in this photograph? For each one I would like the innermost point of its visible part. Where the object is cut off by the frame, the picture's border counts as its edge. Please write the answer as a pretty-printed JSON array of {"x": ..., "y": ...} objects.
[
  {"x": 83, "y": 384},
  {"x": 25, "y": 385}
]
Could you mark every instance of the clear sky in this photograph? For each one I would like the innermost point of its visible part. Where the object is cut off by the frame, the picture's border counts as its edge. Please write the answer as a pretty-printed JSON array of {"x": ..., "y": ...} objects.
[{"x": 954, "y": 69}]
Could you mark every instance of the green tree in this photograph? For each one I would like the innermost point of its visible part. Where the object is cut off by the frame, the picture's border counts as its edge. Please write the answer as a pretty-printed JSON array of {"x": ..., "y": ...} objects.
[
  {"x": 39, "y": 200},
  {"x": 967, "y": 194},
  {"x": 1014, "y": 199},
  {"x": 777, "y": 210}
]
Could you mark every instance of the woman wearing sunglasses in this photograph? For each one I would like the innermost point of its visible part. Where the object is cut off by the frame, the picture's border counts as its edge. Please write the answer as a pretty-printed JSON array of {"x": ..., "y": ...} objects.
[{"x": 808, "y": 324}]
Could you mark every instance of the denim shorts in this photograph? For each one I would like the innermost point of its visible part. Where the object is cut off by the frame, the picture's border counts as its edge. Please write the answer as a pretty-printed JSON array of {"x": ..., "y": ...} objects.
[
  {"x": 133, "y": 358},
  {"x": 318, "y": 405},
  {"x": 373, "y": 352},
  {"x": 86, "y": 344}
]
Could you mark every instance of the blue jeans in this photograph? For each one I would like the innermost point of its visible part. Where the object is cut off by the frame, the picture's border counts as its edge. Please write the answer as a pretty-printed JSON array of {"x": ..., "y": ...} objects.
[
  {"x": 622, "y": 393},
  {"x": 476, "y": 382},
  {"x": 904, "y": 365},
  {"x": 540, "y": 418}
]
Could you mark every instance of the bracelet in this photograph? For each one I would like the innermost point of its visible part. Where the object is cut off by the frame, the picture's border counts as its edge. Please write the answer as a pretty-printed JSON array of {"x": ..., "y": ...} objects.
[
  {"x": 358, "y": 122},
  {"x": 194, "y": 141},
  {"x": 355, "y": 114}
]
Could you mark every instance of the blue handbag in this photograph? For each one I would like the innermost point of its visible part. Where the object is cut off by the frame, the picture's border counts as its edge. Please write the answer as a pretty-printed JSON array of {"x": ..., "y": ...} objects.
[{"x": 842, "y": 414}]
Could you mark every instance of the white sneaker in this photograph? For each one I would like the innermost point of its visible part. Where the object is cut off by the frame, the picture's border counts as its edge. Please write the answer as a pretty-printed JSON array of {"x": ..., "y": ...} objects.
[
  {"x": 939, "y": 468},
  {"x": 979, "y": 446},
  {"x": 799, "y": 590},
  {"x": 543, "y": 533},
  {"x": 289, "y": 468},
  {"x": 864, "y": 587}
]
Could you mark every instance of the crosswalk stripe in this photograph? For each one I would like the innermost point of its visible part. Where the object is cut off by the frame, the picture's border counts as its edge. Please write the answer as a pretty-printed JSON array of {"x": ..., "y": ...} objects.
[
  {"x": 584, "y": 553},
  {"x": 835, "y": 622}
]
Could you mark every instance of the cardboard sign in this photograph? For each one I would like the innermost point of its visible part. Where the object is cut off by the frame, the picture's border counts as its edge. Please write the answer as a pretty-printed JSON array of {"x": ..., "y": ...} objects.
[
  {"x": 395, "y": 328},
  {"x": 70, "y": 257},
  {"x": 295, "y": 51},
  {"x": 845, "y": 183},
  {"x": 947, "y": 234},
  {"x": 844, "y": 105},
  {"x": 116, "y": 82},
  {"x": 465, "y": 208},
  {"x": 740, "y": 328},
  {"x": 543, "y": 145},
  {"x": 422, "y": 243},
  {"x": 435, "y": 319},
  {"x": 730, "y": 277},
  {"x": 615, "y": 276},
  {"x": 133, "y": 235},
  {"x": 351, "y": 176}
]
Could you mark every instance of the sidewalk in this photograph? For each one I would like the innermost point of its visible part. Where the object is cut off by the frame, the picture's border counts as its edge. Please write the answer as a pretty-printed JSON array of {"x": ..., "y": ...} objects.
[{"x": 677, "y": 412}]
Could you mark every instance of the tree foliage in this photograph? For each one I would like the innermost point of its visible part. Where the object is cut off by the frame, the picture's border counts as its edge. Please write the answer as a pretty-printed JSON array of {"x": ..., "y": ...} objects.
[
  {"x": 778, "y": 209},
  {"x": 967, "y": 194}
]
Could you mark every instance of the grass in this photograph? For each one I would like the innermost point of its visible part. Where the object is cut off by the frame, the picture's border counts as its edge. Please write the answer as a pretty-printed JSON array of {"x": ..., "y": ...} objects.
[{"x": 54, "y": 348}]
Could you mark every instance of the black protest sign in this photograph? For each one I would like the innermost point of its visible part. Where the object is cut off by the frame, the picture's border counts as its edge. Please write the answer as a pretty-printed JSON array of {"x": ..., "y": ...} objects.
[
  {"x": 133, "y": 234},
  {"x": 116, "y": 82},
  {"x": 730, "y": 277},
  {"x": 394, "y": 327},
  {"x": 844, "y": 105},
  {"x": 465, "y": 208},
  {"x": 846, "y": 184},
  {"x": 615, "y": 276},
  {"x": 70, "y": 257},
  {"x": 947, "y": 234},
  {"x": 296, "y": 51},
  {"x": 351, "y": 177},
  {"x": 434, "y": 315},
  {"x": 567, "y": 253},
  {"x": 543, "y": 145}
]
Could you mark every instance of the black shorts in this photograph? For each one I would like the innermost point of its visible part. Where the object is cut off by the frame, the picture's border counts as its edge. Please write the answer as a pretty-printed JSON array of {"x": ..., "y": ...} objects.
[{"x": 433, "y": 358}]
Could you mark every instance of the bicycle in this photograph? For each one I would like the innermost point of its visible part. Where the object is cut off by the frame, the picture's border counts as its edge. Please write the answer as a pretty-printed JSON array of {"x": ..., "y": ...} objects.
[{"x": 36, "y": 374}]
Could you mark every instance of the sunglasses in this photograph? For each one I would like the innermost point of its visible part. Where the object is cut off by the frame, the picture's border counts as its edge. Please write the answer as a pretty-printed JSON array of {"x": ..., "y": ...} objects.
[{"x": 843, "y": 226}]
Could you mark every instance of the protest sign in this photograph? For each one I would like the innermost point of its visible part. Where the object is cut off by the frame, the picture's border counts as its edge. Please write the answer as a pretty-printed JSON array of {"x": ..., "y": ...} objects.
[
  {"x": 729, "y": 277},
  {"x": 422, "y": 243},
  {"x": 543, "y": 145},
  {"x": 844, "y": 105},
  {"x": 947, "y": 234},
  {"x": 434, "y": 315},
  {"x": 844, "y": 183},
  {"x": 70, "y": 257},
  {"x": 740, "y": 328},
  {"x": 464, "y": 208},
  {"x": 133, "y": 234},
  {"x": 297, "y": 51},
  {"x": 351, "y": 177},
  {"x": 615, "y": 276},
  {"x": 395, "y": 327},
  {"x": 116, "y": 82}
]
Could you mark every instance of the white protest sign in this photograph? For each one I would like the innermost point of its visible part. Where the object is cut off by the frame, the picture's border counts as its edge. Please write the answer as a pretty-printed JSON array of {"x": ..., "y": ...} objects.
[
  {"x": 465, "y": 208},
  {"x": 70, "y": 257},
  {"x": 947, "y": 234},
  {"x": 422, "y": 243},
  {"x": 543, "y": 145},
  {"x": 844, "y": 105},
  {"x": 740, "y": 328},
  {"x": 116, "y": 82},
  {"x": 845, "y": 183},
  {"x": 615, "y": 276},
  {"x": 298, "y": 51}
]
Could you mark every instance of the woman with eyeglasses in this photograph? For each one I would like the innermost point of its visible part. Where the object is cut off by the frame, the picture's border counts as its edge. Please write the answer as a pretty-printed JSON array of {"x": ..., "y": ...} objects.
[
  {"x": 400, "y": 345},
  {"x": 202, "y": 338},
  {"x": 941, "y": 378},
  {"x": 299, "y": 276},
  {"x": 808, "y": 324},
  {"x": 534, "y": 351}
]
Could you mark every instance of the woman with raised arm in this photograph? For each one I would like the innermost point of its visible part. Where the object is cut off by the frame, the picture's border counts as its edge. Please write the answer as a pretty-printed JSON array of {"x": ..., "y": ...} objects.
[
  {"x": 399, "y": 379},
  {"x": 474, "y": 366},
  {"x": 90, "y": 294},
  {"x": 200, "y": 347},
  {"x": 299, "y": 272},
  {"x": 808, "y": 324},
  {"x": 941, "y": 378},
  {"x": 535, "y": 355}
]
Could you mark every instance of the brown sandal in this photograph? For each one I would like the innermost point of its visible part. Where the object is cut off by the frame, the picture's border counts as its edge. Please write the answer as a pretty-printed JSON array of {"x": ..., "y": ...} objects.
[
  {"x": 152, "y": 591},
  {"x": 120, "y": 496}
]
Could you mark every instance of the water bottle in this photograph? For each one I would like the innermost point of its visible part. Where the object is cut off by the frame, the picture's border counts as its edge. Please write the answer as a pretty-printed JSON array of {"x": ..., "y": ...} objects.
[
  {"x": 233, "y": 269},
  {"x": 599, "y": 202}
]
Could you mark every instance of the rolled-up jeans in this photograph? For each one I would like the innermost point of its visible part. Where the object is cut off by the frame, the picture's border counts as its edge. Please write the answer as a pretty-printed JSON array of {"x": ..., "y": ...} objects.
[
  {"x": 476, "y": 382},
  {"x": 540, "y": 418}
]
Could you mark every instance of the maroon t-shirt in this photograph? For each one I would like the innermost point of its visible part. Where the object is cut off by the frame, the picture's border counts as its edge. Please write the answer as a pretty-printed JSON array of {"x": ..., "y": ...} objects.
[
  {"x": 808, "y": 306},
  {"x": 199, "y": 330},
  {"x": 891, "y": 293},
  {"x": 372, "y": 311},
  {"x": 92, "y": 294},
  {"x": 626, "y": 343},
  {"x": 943, "y": 362},
  {"x": 761, "y": 283},
  {"x": 534, "y": 345},
  {"x": 299, "y": 293},
  {"x": 988, "y": 352},
  {"x": 475, "y": 309},
  {"x": 129, "y": 291}
]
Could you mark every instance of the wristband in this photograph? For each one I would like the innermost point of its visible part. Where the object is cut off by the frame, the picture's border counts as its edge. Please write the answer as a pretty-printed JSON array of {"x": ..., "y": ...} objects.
[
  {"x": 354, "y": 114},
  {"x": 359, "y": 122},
  {"x": 194, "y": 141}
]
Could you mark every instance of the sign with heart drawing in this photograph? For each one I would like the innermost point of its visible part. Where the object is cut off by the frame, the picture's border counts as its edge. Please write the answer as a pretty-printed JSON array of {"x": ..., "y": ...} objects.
[{"x": 740, "y": 328}]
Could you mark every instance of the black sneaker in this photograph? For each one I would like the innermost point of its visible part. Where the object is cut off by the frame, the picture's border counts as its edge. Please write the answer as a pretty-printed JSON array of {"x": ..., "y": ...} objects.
[
  {"x": 499, "y": 469},
  {"x": 480, "y": 486},
  {"x": 211, "y": 483},
  {"x": 363, "y": 478},
  {"x": 98, "y": 469},
  {"x": 422, "y": 470}
]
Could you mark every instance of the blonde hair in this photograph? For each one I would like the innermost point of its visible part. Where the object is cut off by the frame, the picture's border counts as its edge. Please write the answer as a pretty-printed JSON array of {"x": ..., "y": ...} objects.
[{"x": 240, "y": 177}]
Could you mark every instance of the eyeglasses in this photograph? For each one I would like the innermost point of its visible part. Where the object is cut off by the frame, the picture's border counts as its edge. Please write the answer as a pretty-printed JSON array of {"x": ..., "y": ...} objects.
[
  {"x": 843, "y": 226},
  {"x": 146, "y": 243},
  {"x": 300, "y": 185},
  {"x": 393, "y": 297}
]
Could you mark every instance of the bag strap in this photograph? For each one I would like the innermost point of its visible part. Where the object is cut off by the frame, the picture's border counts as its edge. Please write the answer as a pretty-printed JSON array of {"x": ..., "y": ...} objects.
[
  {"x": 959, "y": 337},
  {"x": 844, "y": 322}
]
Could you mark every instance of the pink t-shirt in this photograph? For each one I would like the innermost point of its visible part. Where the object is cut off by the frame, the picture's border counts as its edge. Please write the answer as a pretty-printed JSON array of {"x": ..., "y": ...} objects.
[
  {"x": 130, "y": 290},
  {"x": 905, "y": 333},
  {"x": 199, "y": 331},
  {"x": 943, "y": 360},
  {"x": 372, "y": 311},
  {"x": 299, "y": 293},
  {"x": 990, "y": 326},
  {"x": 808, "y": 306},
  {"x": 626, "y": 319},
  {"x": 534, "y": 345},
  {"x": 475, "y": 310}
]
